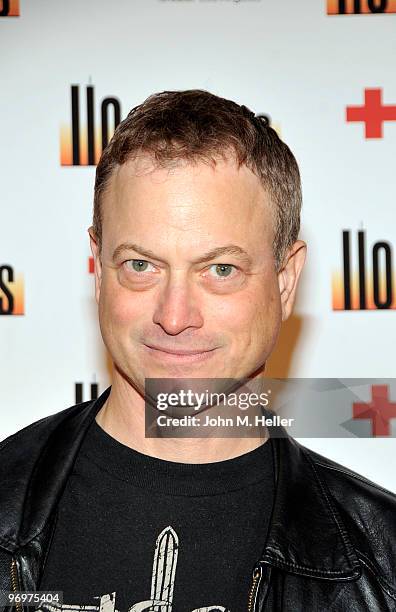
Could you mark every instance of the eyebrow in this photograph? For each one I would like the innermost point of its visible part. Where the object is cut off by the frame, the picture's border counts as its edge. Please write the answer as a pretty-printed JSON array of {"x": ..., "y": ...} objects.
[{"x": 229, "y": 249}]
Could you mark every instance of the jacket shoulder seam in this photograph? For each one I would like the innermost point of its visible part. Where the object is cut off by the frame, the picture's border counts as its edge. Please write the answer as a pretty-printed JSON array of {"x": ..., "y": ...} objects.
[
  {"x": 356, "y": 477},
  {"x": 15, "y": 436}
]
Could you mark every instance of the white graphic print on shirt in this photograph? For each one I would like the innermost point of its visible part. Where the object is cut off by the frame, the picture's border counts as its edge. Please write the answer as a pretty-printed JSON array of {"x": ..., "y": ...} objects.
[{"x": 162, "y": 584}]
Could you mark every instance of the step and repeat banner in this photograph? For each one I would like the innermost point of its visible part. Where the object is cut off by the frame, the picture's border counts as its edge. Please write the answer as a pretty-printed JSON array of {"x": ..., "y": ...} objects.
[{"x": 323, "y": 73}]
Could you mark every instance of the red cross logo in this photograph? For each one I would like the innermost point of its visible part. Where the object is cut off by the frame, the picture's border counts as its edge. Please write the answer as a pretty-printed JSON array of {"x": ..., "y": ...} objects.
[
  {"x": 373, "y": 113},
  {"x": 380, "y": 410}
]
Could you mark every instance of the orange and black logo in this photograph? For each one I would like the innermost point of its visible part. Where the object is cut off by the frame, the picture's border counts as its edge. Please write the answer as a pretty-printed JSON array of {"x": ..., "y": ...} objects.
[
  {"x": 9, "y": 8},
  {"x": 11, "y": 292},
  {"x": 82, "y": 144},
  {"x": 358, "y": 7},
  {"x": 362, "y": 286}
]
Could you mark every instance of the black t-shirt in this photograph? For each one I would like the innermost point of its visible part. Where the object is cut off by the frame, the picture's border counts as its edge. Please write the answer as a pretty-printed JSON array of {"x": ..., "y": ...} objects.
[{"x": 133, "y": 528}]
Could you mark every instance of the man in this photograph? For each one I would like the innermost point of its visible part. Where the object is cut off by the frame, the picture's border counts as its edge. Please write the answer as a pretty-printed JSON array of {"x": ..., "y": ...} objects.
[{"x": 197, "y": 260}]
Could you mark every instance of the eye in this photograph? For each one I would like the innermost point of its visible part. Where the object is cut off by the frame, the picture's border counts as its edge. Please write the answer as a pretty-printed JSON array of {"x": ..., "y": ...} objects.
[
  {"x": 222, "y": 270},
  {"x": 137, "y": 265}
]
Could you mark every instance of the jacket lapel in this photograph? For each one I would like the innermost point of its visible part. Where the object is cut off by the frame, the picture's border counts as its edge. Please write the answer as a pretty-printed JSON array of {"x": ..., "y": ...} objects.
[
  {"x": 34, "y": 466},
  {"x": 306, "y": 535}
]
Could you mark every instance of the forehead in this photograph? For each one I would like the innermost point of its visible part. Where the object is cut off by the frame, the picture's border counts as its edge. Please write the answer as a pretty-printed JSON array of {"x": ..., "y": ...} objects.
[{"x": 212, "y": 200}]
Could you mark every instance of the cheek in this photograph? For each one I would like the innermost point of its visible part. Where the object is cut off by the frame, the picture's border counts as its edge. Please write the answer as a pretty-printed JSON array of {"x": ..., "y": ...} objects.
[
  {"x": 268, "y": 307},
  {"x": 247, "y": 312},
  {"x": 118, "y": 307},
  {"x": 252, "y": 317},
  {"x": 268, "y": 322}
]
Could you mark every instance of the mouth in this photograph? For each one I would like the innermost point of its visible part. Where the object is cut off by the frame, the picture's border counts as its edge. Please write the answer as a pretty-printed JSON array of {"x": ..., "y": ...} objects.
[{"x": 179, "y": 356}]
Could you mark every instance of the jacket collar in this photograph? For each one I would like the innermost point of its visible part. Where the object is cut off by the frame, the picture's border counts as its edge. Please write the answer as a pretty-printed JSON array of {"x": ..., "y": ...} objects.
[{"x": 306, "y": 535}]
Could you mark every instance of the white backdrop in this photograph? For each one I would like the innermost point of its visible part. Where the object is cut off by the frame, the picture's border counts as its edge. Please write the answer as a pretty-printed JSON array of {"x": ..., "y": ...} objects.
[{"x": 290, "y": 60}]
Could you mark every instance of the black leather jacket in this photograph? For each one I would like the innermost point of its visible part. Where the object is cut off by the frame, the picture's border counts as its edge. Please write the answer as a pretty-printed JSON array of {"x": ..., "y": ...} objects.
[{"x": 331, "y": 544}]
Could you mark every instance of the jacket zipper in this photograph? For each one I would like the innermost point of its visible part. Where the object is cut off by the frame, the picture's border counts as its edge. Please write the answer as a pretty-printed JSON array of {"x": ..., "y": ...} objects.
[
  {"x": 15, "y": 583},
  {"x": 257, "y": 575}
]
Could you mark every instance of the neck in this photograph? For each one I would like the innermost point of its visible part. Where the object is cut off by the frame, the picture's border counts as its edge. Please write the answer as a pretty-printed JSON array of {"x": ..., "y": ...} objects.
[{"x": 123, "y": 418}]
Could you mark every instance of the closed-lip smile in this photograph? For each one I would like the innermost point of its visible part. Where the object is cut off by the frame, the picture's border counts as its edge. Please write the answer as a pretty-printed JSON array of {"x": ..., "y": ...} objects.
[
  {"x": 179, "y": 351},
  {"x": 181, "y": 356}
]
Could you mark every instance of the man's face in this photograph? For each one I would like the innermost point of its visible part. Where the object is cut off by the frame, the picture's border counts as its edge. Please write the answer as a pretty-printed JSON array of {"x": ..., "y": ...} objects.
[{"x": 156, "y": 286}]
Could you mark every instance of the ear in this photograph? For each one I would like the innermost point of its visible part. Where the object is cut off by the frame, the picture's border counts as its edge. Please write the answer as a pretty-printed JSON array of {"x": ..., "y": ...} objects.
[
  {"x": 289, "y": 275},
  {"x": 97, "y": 261}
]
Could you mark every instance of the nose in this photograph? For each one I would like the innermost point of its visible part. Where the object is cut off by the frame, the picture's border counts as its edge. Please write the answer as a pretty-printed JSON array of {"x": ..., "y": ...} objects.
[{"x": 178, "y": 307}]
